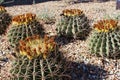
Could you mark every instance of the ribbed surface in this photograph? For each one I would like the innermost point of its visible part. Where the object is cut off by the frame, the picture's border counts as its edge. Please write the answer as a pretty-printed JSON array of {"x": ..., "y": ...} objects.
[
  {"x": 106, "y": 44},
  {"x": 38, "y": 69},
  {"x": 73, "y": 26},
  {"x": 16, "y": 33}
]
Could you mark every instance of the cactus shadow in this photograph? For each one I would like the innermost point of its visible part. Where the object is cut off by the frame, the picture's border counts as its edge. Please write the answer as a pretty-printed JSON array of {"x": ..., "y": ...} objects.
[
  {"x": 82, "y": 71},
  {"x": 63, "y": 40},
  {"x": 85, "y": 34},
  {"x": 79, "y": 71},
  {"x": 41, "y": 29}
]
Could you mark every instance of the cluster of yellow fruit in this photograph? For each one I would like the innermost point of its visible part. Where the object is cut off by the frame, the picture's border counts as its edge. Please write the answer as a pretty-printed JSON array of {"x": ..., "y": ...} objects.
[
  {"x": 35, "y": 46},
  {"x": 72, "y": 12},
  {"x": 105, "y": 25},
  {"x": 23, "y": 19}
]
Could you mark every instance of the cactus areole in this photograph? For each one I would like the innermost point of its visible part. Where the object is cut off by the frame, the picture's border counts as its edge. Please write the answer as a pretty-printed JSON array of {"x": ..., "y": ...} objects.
[
  {"x": 34, "y": 46},
  {"x": 73, "y": 23},
  {"x": 72, "y": 12},
  {"x": 23, "y": 19},
  {"x": 105, "y": 25},
  {"x": 23, "y": 26},
  {"x": 105, "y": 40}
]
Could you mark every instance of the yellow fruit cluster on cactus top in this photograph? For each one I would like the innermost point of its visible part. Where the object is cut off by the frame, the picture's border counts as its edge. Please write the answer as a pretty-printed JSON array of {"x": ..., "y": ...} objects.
[
  {"x": 105, "y": 25},
  {"x": 72, "y": 12},
  {"x": 2, "y": 9},
  {"x": 23, "y": 19},
  {"x": 35, "y": 46}
]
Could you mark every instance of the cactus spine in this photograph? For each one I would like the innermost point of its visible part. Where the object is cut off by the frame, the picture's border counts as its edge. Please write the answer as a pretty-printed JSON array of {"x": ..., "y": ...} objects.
[
  {"x": 73, "y": 23},
  {"x": 5, "y": 20},
  {"x": 105, "y": 40},
  {"x": 35, "y": 61},
  {"x": 23, "y": 26}
]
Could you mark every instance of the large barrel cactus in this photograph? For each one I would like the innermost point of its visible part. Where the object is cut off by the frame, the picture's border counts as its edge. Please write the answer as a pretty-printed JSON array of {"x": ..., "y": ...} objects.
[
  {"x": 105, "y": 40},
  {"x": 5, "y": 20},
  {"x": 37, "y": 59},
  {"x": 23, "y": 26},
  {"x": 73, "y": 23}
]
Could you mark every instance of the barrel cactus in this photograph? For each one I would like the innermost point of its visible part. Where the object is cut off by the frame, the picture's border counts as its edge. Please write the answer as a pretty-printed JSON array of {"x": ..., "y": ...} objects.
[
  {"x": 73, "y": 23},
  {"x": 105, "y": 40},
  {"x": 23, "y": 26},
  {"x": 37, "y": 59},
  {"x": 5, "y": 20}
]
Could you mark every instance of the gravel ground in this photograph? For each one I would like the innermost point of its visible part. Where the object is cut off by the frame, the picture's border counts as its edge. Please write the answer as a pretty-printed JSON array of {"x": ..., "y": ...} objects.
[{"x": 84, "y": 65}]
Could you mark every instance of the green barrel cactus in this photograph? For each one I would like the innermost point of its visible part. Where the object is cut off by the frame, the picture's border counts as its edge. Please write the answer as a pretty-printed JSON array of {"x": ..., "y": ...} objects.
[
  {"x": 5, "y": 20},
  {"x": 37, "y": 59},
  {"x": 73, "y": 23},
  {"x": 105, "y": 39},
  {"x": 23, "y": 26}
]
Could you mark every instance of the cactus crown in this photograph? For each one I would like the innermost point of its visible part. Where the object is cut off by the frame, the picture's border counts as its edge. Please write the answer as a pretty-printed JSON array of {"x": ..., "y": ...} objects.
[
  {"x": 2, "y": 9},
  {"x": 34, "y": 46},
  {"x": 23, "y": 19},
  {"x": 105, "y": 25},
  {"x": 72, "y": 12}
]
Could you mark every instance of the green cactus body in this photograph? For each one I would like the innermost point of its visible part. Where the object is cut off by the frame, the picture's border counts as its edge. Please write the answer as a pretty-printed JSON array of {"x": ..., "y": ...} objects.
[
  {"x": 5, "y": 20},
  {"x": 23, "y": 26},
  {"x": 38, "y": 69},
  {"x": 105, "y": 39},
  {"x": 36, "y": 66},
  {"x": 73, "y": 23}
]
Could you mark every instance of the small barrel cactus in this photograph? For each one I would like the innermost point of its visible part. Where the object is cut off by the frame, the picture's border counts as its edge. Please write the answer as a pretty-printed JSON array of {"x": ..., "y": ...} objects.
[
  {"x": 5, "y": 20},
  {"x": 105, "y": 40},
  {"x": 73, "y": 23},
  {"x": 23, "y": 26},
  {"x": 37, "y": 59}
]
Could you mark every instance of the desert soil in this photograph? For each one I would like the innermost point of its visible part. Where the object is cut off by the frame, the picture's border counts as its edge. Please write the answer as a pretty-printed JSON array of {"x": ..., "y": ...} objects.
[{"x": 84, "y": 65}]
